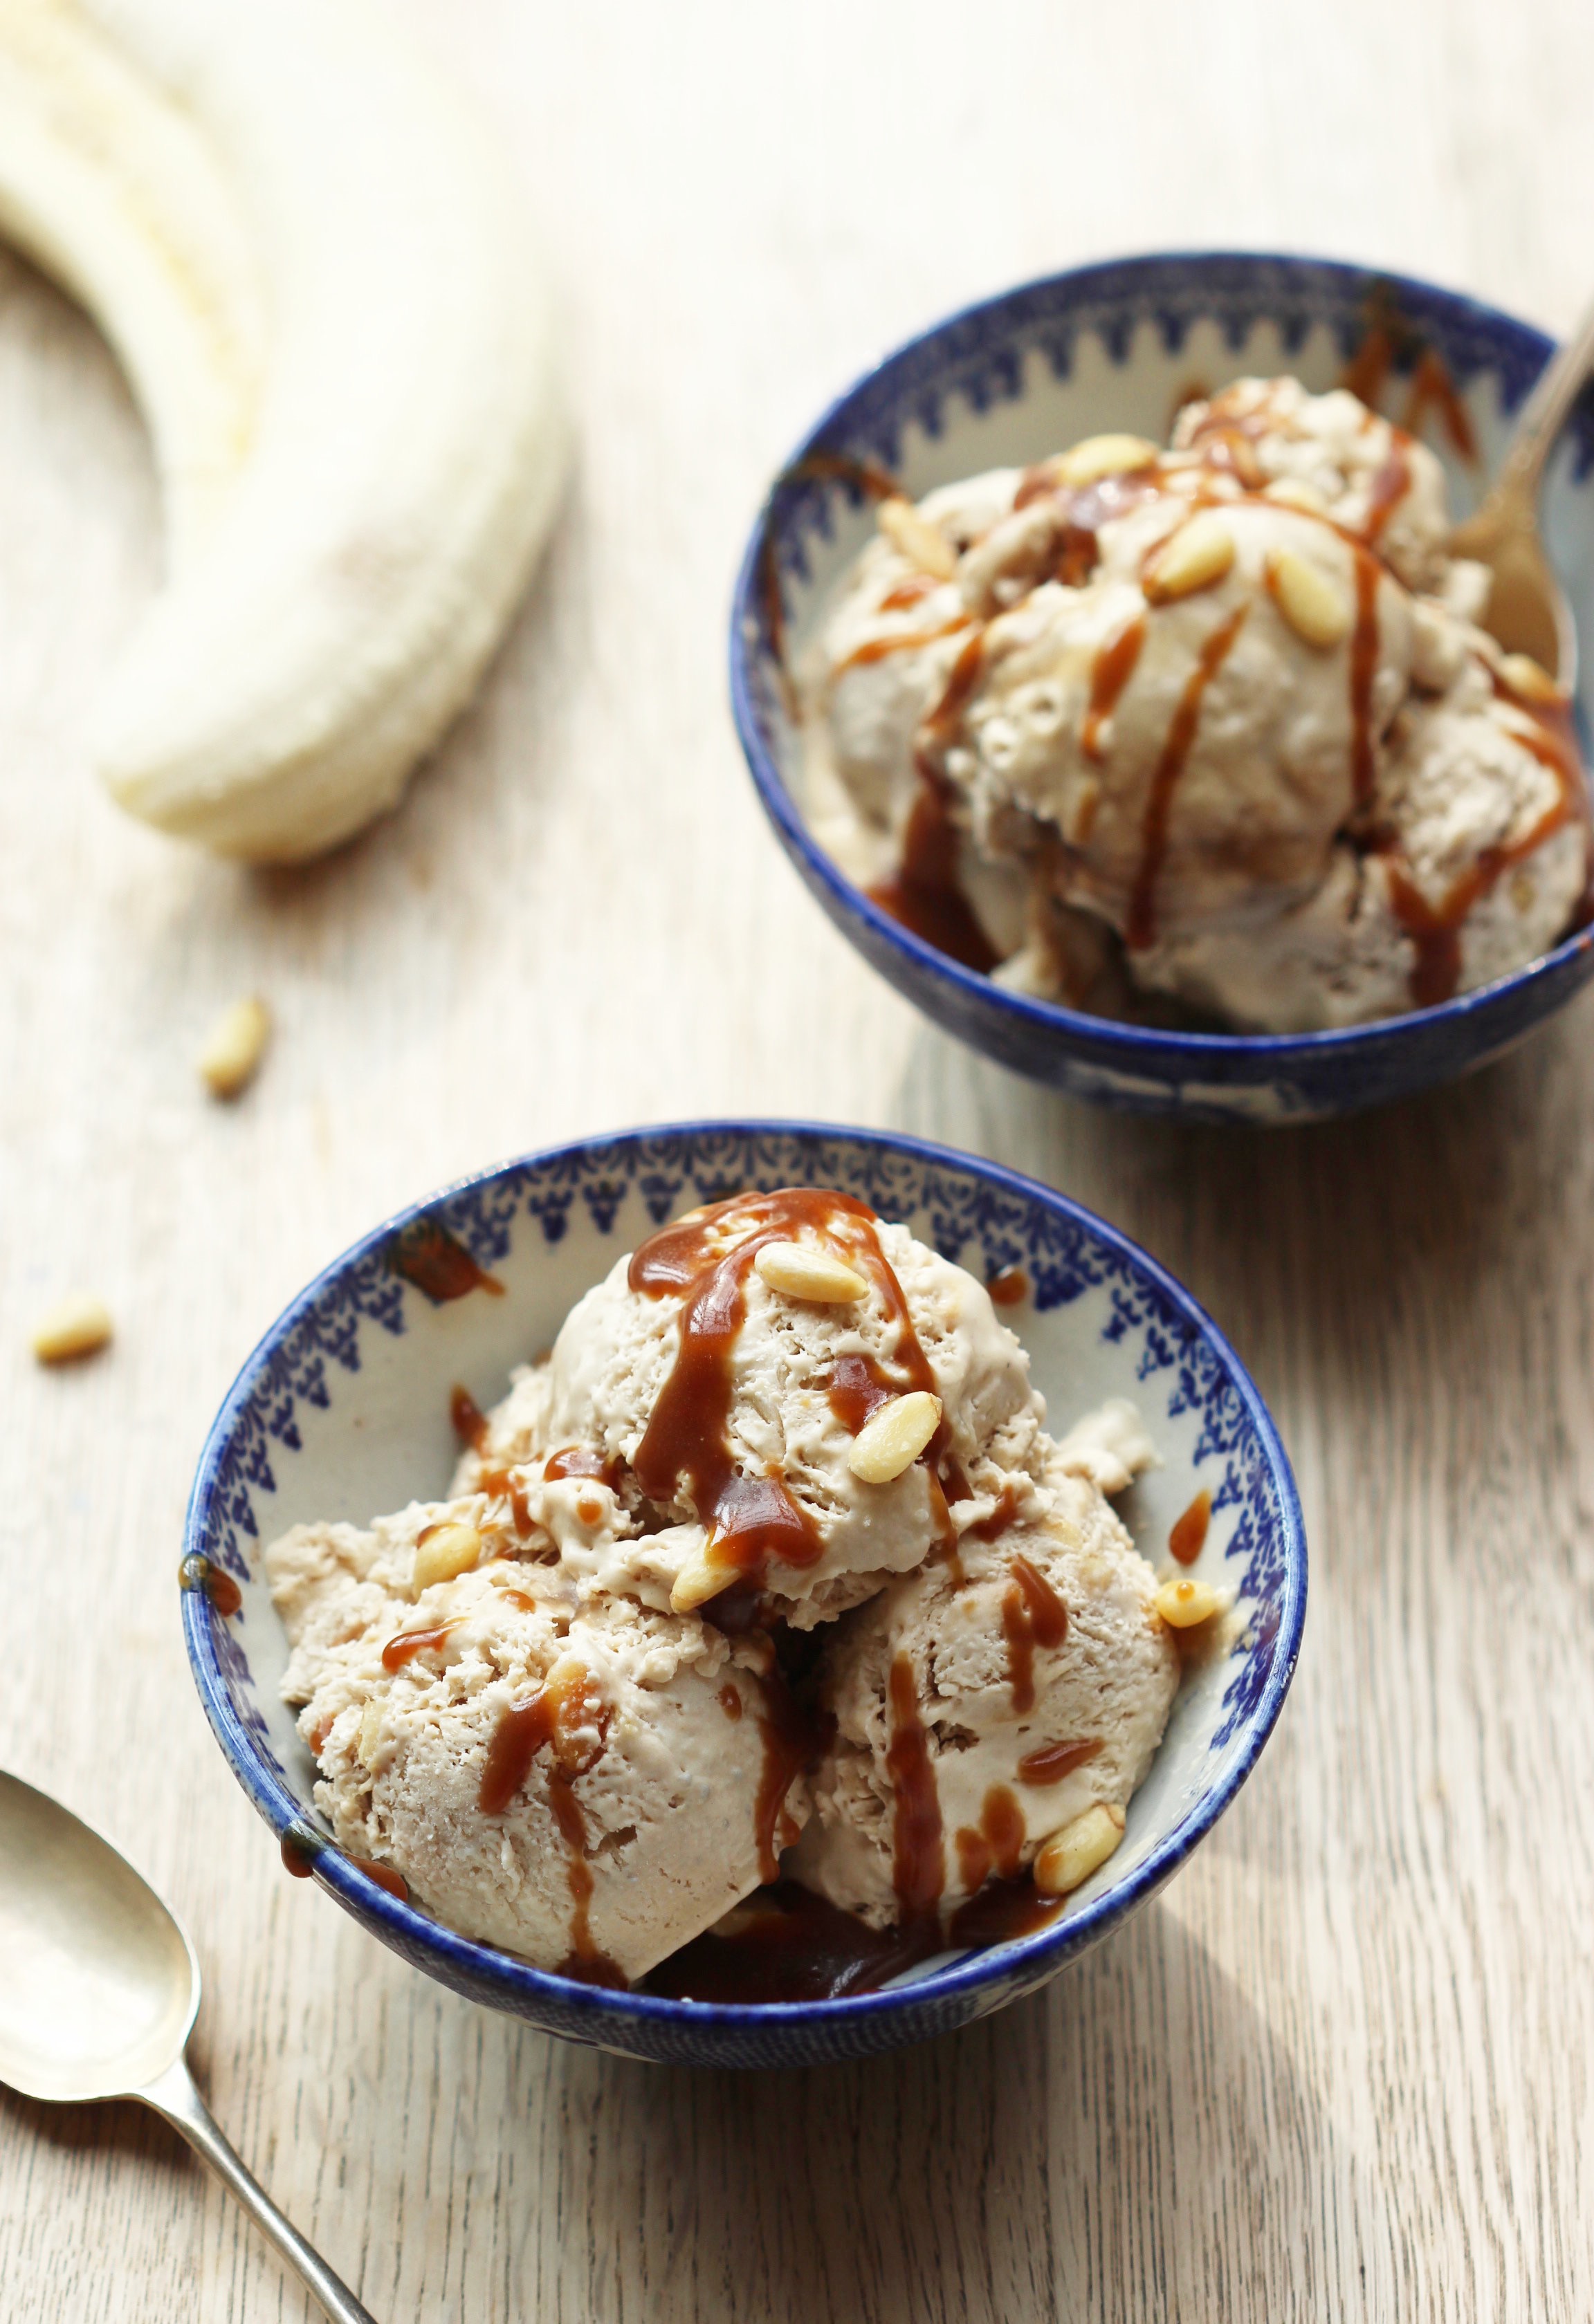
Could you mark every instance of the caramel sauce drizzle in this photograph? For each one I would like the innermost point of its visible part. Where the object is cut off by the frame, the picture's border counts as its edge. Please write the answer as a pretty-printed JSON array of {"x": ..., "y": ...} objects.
[
  {"x": 910, "y": 592},
  {"x": 1140, "y": 929},
  {"x": 198, "y": 1572},
  {"x": 1391, "y": 485},
  {"x": 437, "y": 1263},
  {"x": 583, "y": 1461},
  {"x": 926, "y": 894},
  {"x": 874, "y": 650},
  {"x": 996, "y": 1845},
  {"x": 792, "y": 1743},
  {"x": 705, "y": 1261},
  {"x": 386, "y": 1876},
  {"x": 918, "y": 1848},
  {"x": 993, "y": 1528},
  {"x": 405, "y": 1645},
  {"x": 470, "y": 1422},
  {"x": 1052, "y": 1761},
  {"x": 1032, "y": 1614},
  {"x": 866, "y": 476},
  {"x": 1009, "y": 1288},
  {"x": 553, "y": 1714},
  {"x": 1189, "y": 1533},
  {"x": 1110, "y": 673}
]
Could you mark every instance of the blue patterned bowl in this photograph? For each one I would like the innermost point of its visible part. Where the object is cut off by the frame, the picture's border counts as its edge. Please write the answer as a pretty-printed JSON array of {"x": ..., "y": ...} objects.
[
  {"x": 342, "y": 1412},
  {"x": 1119, "y": 346}
]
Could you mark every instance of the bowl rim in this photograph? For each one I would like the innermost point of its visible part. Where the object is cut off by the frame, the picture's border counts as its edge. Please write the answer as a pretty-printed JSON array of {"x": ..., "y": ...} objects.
[
  {"x": 1142, "y": 1044},
  {"x": 468, "y": 1964}
]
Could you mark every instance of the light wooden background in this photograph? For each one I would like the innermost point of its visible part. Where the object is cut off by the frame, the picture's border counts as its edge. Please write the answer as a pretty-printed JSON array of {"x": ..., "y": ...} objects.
[{"x": 1343, "y": 2069}]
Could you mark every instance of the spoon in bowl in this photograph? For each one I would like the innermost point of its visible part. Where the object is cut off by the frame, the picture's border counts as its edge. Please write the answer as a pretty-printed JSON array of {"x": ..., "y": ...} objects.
[
  {"x": 99, "y": 1995},
  {"x": 1527, "y": 610}
]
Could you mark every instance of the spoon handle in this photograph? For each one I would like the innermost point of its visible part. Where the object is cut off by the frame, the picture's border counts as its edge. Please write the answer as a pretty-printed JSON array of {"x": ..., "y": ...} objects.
[
  {"x": 1545, "y": 413},
  {"x": 173, "y": 2094}
]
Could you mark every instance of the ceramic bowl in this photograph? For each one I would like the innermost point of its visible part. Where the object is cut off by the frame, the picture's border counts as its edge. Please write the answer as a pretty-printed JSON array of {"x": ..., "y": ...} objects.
[
  {"x": 1118, "y": 347},
  {"x": 342, "y": 1411}
]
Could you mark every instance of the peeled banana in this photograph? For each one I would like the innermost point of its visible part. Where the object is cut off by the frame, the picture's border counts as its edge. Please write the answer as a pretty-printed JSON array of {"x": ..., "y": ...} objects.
[{"x": 311, "y": 256}]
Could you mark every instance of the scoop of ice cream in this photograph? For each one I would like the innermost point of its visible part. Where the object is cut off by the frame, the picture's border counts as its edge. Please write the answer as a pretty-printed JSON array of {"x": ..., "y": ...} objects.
[
  {"x": 985, "y": 1704},
  {"x": 724, "y": 1403},
  {"x": 1188, "y": 701},
  {"x": 1234, "y": 751},
  {"x": 590, "y": 1787},
  {"x": 1370, "y": 477},
  {"x": 1480, "y": 862}
]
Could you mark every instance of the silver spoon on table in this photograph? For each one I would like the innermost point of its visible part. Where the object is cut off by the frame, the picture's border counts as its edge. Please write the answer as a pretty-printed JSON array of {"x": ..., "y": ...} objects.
[
  {"x": 98, "y": 1993},
  {"x": 1527, "y": 611}
]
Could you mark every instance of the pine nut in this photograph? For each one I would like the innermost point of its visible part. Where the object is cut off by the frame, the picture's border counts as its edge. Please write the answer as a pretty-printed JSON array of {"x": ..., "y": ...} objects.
[
  {"x": 1296, "y": 493},
  {"x": 1081, "y": 1848},
  {"x": 1199, "y": 554},
  {"x": 1529, "y": 678},
  {"x": 702, "y": 1577},
  {"x": 893, "y": 1439},
  {"x": 76, "y": 1327},
  {"x": 1183, "y": 1603},
  {"x": 443, "y": 1555},
  {"x": 1086, "y": 462},
  {"x": 1315, "y": 608},
  {"x": 916, "y": 539},
  {"x": 230, "y": 1058},
  {"x": 798, "y": 1272}
]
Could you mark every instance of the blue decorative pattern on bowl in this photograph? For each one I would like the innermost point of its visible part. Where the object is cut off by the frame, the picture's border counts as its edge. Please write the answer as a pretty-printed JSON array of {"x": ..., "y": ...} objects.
[
  {"x": 1117, "y": 346},
  {"x": 342, "y": 1412}
]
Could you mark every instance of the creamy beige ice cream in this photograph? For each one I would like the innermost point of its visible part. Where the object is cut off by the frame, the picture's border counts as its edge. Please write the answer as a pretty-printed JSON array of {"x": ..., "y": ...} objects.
[
  {"x": 983, "y": 1707},
  {"x": 714, "y": 1399},
  {"x": 780, "y": 1416},
  {"x": 1210, "y": 727},
  {"x": 588, "y": 1787}
]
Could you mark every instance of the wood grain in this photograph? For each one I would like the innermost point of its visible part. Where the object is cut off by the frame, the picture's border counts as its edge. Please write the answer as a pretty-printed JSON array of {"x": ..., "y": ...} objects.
[{"x": 1342, "y": 2068}]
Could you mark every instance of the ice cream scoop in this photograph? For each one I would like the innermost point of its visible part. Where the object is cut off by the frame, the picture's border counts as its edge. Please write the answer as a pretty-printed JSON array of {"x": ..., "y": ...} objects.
[
  {"x": 587, "y": 1785},
  {"x": 985, "y": 1705},
  {"x": 705, "y": 1378}
]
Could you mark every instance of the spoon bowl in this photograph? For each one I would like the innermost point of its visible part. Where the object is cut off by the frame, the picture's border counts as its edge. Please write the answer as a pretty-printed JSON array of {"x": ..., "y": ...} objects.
[
  {"x": 99, "y": 1995},
  {"x": 101, "y": 1985}
]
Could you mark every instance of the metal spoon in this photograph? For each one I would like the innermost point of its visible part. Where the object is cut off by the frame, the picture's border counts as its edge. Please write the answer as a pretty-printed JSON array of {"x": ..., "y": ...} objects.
[
  {"x": 98, "y": 1995},
  {"x": 1526, "y": 609}
]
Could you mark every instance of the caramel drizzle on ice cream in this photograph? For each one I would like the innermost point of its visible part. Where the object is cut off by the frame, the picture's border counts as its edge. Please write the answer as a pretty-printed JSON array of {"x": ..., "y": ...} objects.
[
  {"x": 1051, "y": 1762},
  {"x": 918, "y": 1847},
  {"x": 1110, "y": 673},
  {"x": 1435, "y": 929},
  {"x": 1364, "y": 668},
  {"x": 926, "y": 894},
  {"x": 561, "y": 1712},
  {"x": 685, "y": 1452},
  {"x": 470, "y": 1422},
  {"x": 996, "y": 1845},
  {"x": 1140, "y": 928},
  {"x": 1032, "y": 1614},
  {"x": 583, "y": 1461},
  {"x": 405, "y": 1645}
]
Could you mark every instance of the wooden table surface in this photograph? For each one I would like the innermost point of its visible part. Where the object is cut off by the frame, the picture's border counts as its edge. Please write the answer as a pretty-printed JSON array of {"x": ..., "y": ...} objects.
[{"x": 1342, "y": 2068}]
